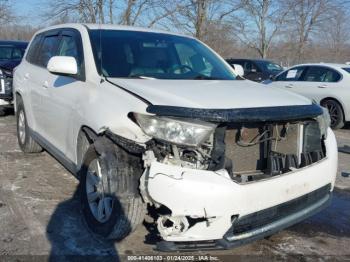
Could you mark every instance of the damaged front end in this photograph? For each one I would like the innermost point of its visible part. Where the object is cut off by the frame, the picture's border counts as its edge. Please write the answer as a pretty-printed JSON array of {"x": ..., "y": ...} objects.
[
  {"x": 6, "y": 85},
  {"x": 213, "y": 169}
]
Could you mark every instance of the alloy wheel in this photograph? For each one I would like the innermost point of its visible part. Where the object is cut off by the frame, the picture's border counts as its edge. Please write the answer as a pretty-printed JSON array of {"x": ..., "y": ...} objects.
[
  {"x": 333, "y": 112},
  {"x": 100, "y": 202},
  {"x": 22, "y": 126}
]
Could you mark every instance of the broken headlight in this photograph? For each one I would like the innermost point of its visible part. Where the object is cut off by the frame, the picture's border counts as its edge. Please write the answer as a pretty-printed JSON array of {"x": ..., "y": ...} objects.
[
  {"x": 324, "y": 122},
  {"x": 176, "y": 131}
]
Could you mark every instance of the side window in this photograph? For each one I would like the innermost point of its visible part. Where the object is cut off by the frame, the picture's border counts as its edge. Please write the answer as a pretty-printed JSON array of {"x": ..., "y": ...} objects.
[
  {"x": 17, "y": 53},
  {"x": 48, "y": 49},
  {"x": 33, "y": 48},
  {"x": 250, "y": 67},
  {"x": 321, "y": 74},
  {"x": 70, "y": 46},
  {"x": 292, "y": 74}
]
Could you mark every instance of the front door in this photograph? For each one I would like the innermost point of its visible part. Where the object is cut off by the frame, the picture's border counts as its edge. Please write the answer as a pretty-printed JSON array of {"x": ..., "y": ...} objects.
[{"x": 64, "y": 92}]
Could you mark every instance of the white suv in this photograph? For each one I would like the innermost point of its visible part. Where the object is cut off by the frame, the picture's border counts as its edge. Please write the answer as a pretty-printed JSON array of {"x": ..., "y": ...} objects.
[{"x": 147, "y": 118}]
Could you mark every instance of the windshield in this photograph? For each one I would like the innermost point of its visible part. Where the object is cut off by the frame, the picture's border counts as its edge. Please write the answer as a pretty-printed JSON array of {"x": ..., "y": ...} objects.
[
  {"x": 130, "y": 54},
  {"x": 269, "y": 66},
  {"x": 11, "y": 53}
]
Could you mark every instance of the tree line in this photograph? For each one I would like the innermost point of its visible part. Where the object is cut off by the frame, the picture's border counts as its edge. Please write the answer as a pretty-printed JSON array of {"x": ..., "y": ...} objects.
[{"x": 289, "y": 31}]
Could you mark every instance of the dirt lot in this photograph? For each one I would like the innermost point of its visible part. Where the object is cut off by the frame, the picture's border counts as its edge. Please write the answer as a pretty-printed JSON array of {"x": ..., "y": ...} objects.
[{"x": 40, "y": 219}]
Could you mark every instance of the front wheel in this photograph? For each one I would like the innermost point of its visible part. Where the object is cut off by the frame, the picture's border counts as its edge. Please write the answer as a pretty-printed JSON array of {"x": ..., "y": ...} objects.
[{"x": 110, "y": 206}]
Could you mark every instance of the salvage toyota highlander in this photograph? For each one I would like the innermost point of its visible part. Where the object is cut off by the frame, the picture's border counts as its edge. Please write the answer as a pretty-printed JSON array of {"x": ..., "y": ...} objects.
[{"x": 150, "y": 120}]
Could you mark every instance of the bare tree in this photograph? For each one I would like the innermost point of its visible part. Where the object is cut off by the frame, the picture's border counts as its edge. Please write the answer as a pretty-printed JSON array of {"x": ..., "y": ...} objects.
[
  {"x": 127, "y": 12},
  {"x": 306, "y": 17},
  {"x": 6, "y": 12},
  {"x": 110, "y": 11},
  {"x": 195, "y": 16},
  {"x": 89, "y": 11},
  {"x": 335, "y": 33},
  {"x": 259, "y": 23}
]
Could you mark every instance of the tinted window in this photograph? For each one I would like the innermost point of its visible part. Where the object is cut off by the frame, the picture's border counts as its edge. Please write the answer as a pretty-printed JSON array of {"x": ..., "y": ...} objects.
[
  {"x": 17, "y": 53},
  {"x": 69, "y": 46},
  {"x": 145, "y": 54},
  {"x": 292, "y": 74},
  {"x": 48, "y": 49},
  {"x": 347, "y": 69},
  {"x": 321, "y": 74},
  {"x": 269, "y": 66},
  {"x": 6, "y": 52},
  {"x": 249, "y": 67},
  {"x": 33, "y": 48}
]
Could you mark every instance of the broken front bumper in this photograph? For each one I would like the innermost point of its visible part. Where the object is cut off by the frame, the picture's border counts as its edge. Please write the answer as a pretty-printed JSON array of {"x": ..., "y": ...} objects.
[{"x": 227, "y": 213}]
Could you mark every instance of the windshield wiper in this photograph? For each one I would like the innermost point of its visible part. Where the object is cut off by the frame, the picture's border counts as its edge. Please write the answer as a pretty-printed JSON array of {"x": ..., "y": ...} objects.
[
  {"x": 141, "y": 77},
  {"x": 203, "y": 77}
]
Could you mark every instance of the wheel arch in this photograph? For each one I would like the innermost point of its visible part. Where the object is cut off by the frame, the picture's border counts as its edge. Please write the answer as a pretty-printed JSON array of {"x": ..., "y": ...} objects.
[
  {"x": 17, "y": 96},
  {"x": 90, "y": 135},
  {"x": 336, "y": 100}
]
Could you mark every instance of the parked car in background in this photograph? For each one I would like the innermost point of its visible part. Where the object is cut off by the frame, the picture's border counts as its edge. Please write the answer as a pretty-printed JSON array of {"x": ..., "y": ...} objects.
[
  {"x": 11, "y": 53},
  {"x": 327, "y": 84},
  {"x": 257, "y": 69},
  {"x": 151, "y": 118}
]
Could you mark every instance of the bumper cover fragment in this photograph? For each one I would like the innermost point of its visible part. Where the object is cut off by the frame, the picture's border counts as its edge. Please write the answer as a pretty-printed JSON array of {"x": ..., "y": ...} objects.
[{"x": 260, "y": 224}]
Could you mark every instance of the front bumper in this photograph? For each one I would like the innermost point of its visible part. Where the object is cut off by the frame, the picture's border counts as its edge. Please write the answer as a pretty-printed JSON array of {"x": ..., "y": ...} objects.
[
  {"x": 6, "y": 88},
  {"x": 221, "y": 205},
  {"x": 262, "y": 223}
]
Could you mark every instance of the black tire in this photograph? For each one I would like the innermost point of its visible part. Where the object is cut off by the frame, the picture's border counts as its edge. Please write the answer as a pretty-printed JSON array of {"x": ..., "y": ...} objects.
[
  {"x": 121, "y": 174},
  {"x": 83, "y": 145},
  {"x": 336, "y": 113},
  {"x": 26, "y": 142}
]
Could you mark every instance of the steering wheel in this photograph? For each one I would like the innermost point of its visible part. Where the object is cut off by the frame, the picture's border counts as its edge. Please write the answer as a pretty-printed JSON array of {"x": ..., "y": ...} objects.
[{"x": 181, "y": 69}]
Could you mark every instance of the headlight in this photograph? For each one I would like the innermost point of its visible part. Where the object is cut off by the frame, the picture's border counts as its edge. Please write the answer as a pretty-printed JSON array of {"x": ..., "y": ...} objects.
[
  {"x": 176, "y": 131},
  {"x": 324, "y": 122}
]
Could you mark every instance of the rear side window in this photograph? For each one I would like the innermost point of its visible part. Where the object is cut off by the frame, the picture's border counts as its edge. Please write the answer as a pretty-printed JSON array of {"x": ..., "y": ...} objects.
[
  {"x": 33, "y": 48},
  {"x": 321, "y": 74},
  {"x": 293, "y": 74},
  {"x": 347, "y": 69},
  {"x": 48, "y": 49}
]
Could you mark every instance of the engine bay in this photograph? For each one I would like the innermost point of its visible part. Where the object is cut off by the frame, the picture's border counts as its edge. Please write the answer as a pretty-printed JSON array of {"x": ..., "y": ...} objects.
[{"x": 249, "y": 151}]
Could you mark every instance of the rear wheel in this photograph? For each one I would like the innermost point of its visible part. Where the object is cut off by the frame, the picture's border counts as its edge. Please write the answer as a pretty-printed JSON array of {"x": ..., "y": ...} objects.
[
  {"x": 25, "y": 140},
  {"x": 335, "y": 112},
  {"x": 110, "y": 205}
]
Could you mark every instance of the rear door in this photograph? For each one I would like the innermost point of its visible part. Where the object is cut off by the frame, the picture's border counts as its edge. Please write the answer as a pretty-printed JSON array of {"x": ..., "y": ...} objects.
[
  {"x": 38, "y": 78},
  {"x": 319, "y": 82}
]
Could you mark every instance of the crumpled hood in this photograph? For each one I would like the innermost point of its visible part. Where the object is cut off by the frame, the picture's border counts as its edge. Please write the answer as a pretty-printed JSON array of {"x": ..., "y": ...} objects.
[{"x": 216, "y": 94}]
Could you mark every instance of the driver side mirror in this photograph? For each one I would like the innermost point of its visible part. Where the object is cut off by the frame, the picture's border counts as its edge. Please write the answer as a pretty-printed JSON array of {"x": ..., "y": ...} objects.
[
  {"x": 63, "y": 65},
  {"x": 238, "y": 69}
]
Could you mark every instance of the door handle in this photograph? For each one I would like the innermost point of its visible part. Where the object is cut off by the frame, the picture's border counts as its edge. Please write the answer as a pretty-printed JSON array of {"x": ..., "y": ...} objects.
[
  {"x": 322, "y": 86},
  {"x": 289, "y": 86},
  {"x": 46, "y": 84}
]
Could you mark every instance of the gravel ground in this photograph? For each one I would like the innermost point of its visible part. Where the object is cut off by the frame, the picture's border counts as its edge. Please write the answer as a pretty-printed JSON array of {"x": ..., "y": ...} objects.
[{"x": 40, "y": 219}]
